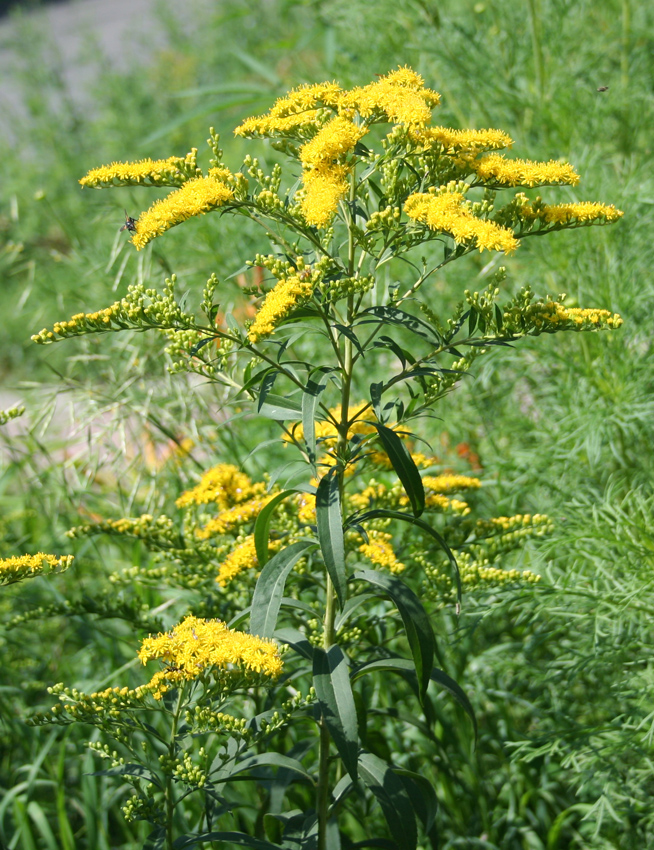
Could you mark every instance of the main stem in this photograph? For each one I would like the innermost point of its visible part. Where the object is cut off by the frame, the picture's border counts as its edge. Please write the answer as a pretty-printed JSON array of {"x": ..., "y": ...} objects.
[
  {"x": 329, "y": 632},
  {"x": 169, "y": 792}
]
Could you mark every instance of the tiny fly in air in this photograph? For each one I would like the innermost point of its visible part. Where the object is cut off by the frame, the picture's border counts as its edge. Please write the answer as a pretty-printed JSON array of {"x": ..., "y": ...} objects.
[
  {"x": 130, "y": 223},
  {"x": 603, "y": 88}
]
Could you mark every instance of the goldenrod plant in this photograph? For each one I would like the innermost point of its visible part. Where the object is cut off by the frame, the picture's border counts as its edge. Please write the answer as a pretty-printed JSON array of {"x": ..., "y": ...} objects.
[{"x": 302, "y": 659}]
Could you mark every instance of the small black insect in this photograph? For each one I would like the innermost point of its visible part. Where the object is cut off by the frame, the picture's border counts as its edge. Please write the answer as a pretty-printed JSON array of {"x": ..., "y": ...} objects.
[
  {"x": 130, "y": 223},
  {"x": 603, "y": 88}
]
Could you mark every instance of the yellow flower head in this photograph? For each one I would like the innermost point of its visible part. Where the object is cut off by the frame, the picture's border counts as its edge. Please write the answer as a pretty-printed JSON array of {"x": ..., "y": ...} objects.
[
  {"x": 243, "y": 557},
  {"x": 468, "y": 141},
  {"x": 380, "y": 552},
  {"x": 297, "y": 110},
  {"x": 497, "y": 169},
  {"x": 583, "y": 212},
  {"x": 400, "y": 97},
  {"x": 445, "y": 212},
  {"x": 555, "y": 313},
  {"x": 290, "y": 293},
  {"x": 323, "y": 189},
  {"x": 196, "y": 197},
  {"x": 145, "y": 172},
  {"x": 27, "y": 566},
  {"x": 195, "y": 646},
  {"x": 234, "y": 517},
  {"x": 224, "y": 484}
]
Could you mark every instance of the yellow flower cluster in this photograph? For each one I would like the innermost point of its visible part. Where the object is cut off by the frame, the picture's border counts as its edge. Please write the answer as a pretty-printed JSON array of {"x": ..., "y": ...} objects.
[
  {"x": 324, "y": 170},
  {"x": 297, "y": 109},
  {"x": 584, "y": 211},
  {"x": 145, "y": 172},
  {"x": 496, "y": 168},
  {"x": 445, "y": 212},
  {"x": 27, "y": 566},
  {"x": 555, "y": 314},
  {"x": 243, "y": 557},
  {"x": 400, "y": 97},
  {"x": 290, "y": 293},
  {"x": 447, "y": 483},
  {"x": 306, "y": 509},
  {"x": 224, "y": 484},
  {"x": 196, "y": 197},
  {"x": 469, "y": 141},
  {"x": 233, "y": 517},
  {"x": 380, "y": 552},
  {"x": 196, "y": 645}
]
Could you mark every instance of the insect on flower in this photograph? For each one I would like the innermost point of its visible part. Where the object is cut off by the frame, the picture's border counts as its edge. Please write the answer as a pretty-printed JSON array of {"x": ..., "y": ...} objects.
[{"x": 130, "y": 223}]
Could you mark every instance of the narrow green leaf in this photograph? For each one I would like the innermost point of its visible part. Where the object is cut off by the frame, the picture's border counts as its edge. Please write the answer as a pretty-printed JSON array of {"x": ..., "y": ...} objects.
[
  {"x": 422, "y": 795},
  {"x": 331, "y": 680},
  {"x": 232, "y": 837},
  {"x": 269, "y": 589},
  {"x": 262, "y": 526},
  {"x": 280, "y": 408},
  {"x": 384, "y": 512},
  {"x": 392, "y": 796},
  {"x": 310, "y": 399},
  {"x": 350, "y": 606},
  {"x": 396, "y": 316},
  {"x": 416, "y": 622},
  {"x": 269, "y": 760},
  {"x": 330, "y": 532},
  {"x": 267, "y": 384},
  {"x": 457, "y": 692},
  {"x": 295, "y": 639},
  {"x": 404, "y": 466}
]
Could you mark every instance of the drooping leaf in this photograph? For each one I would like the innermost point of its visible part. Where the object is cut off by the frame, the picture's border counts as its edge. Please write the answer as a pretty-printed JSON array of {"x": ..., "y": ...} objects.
[
  {"x": 295, "y": 639},
  {"x": 416, "y": 622},
  {"x": 269, "y": 589},
  {"x": 396, "y": 316},
  {"x": 331, "y": 679},
  {"x": 404, "y": 466},
  {"x": 330, "y": 531},
  {"x": 231, "y": 837},
  {"x": 268, "y": 760},
  {"x": 130, "y": 770},
  {"x": 262, "y": 526},
  {"x": 392, "y": 796},
  {"x": 414, "y": 520},
  {"x": 421, "y": 794}
]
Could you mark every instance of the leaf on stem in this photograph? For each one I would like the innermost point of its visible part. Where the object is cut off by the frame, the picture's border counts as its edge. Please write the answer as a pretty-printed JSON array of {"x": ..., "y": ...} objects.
[
  {"x": 269, "y": 590},
  {"x": 404, "y": 466},
  {"x": 330, "y": 531},
  {"x": 331, "y": 679}
]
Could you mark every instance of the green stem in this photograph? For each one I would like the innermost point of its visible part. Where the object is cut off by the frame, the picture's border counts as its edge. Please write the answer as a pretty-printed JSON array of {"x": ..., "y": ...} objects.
[
  {"x": 169, "y": 793},
  {"x": 329, "y": 631}
]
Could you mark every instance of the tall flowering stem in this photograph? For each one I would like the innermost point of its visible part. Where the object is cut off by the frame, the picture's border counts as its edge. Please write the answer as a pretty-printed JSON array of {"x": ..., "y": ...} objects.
[{"x": 384, "y": 201}]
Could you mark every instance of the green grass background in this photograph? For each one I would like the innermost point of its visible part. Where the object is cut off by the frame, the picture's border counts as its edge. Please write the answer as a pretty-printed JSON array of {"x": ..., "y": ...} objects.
[{"x": 561, "y": 675}]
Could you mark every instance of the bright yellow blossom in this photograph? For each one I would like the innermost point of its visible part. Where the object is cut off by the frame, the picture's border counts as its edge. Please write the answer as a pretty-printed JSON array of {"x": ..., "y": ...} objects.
[
  {"x": 145, "y": 172},
  {"x": 233, "y": 517},
  {"x": 445, "y": 212},
  {"x": 555, "y": 313},
  {"x": 380, "y": 552},
  {"x": 583, "y": 211},
  {"x": 195, "y": 646},
  {"x": 448, "y": 483},
  {"x": 400, "y": 97},
  {"x": 27, "y": 566},
  {"x": 243, "y": 557},
  {"x": 470, "y": 141},
  {"x": 196, "y": 197},
  {"x": 224, "y": 484},
  {"x": 496, "y": 168},
  {"x": 290, "y": 293},
  {"x": 299, "y": 108}
]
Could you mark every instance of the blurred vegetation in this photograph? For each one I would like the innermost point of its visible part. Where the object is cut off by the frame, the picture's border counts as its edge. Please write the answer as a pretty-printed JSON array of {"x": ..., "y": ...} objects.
[{"x": 564, "y": 695}]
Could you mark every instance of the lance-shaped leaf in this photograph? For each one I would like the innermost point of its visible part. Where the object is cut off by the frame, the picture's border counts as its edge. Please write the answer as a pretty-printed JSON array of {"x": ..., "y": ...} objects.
[
  {"x": 331, "y": 679},
  {"x": 404, "y": 466},
  {"x": 416, "y": 622},
  {"x": 280, "y": 408},
  {"x": 310, "y": 399},
  {"x": 262, "y": 526},
  {"x": 414, "y": 520},
  {"x": 330, "y": 531},
  {"x": 392, "y": 796},
  {"x": 268, "y": 760},
  {"x": 269, "y": 590},
  {"x": 231, "y": 838},
  {"x": 396, "y": 316}
]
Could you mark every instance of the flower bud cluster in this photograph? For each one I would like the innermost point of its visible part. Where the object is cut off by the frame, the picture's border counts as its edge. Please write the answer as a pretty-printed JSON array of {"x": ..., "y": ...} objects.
[
  {"x": 203, "y": 718},
  {"x": 384, "y": 220},
  {"x": 159, "y": 532},
  {"x": 143, "y": 808},
  {"x": 11, "y": 413},
  {"x": 184, "y": 769}
]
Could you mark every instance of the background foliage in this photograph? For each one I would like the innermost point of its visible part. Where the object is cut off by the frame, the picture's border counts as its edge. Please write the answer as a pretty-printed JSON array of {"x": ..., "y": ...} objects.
[{"x": 560, "y": 674}]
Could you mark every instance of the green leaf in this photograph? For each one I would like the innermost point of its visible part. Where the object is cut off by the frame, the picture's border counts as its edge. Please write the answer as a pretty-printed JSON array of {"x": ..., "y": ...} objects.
[
  {"x": 330, "y": 531},
  {"x": 422, "y": 795},
  {"x": 395, "y": 316},
  {"x": 384, "y": 512},
  {"x": 295, "y": 639},
  {"x": 310, "y": 399},
  {"x": 269, "y": 760},
  {"x": 392, "y": 796},
  {"x": 331, "y": 679},
  {"x": 350, "y": 606},
  {"x": 269, "y": 589},
  {"x": 416, "y": 622},
  {"x": 262, "y": 526},
  {"x": 404, "y": 466},
  {"x": 280, "y": 408},
  {"x": 231, "y": 837},
  {"x": 457, "y": 692}
]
